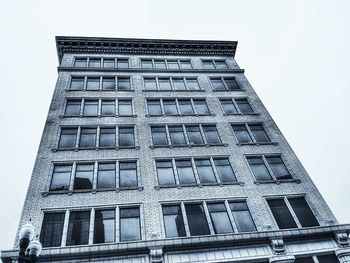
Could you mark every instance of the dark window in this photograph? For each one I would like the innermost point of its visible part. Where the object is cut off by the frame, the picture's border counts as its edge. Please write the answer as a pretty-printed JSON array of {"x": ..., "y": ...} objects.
[
  {"x": 77, "y": 83},
  {"x": 159, "y": 63},
  {"x": 126, "y": 136},
  {"x": 83, "y": 176},
  {"x": 219, "y": 217},
  {"x": 179, "y": 84},
  {"x": 220, "y": 64},
  {"x": 154, "y": 107},
  {"x": 127, "y": 174},
  {"x": 123, "y": 63},
  {"x": 164, "y": 84},
  {"x": 124, "y": 107},
  {"x": 170, "y": 107},
  {"x": 281, "y": 213},
  {"x": 172, "y": 64},
  {"x": 90, "y": 107},
  {"x": 80, "y": 62},
  {"x": 186, "y": 107},
  {"x": 88, "y": 137},
  {"x": 192, "y": 84},
  {"x": 108, "y": 83},
  {"x": 159, "y": 136},
  {"x": 185, "y": 64},
  {"x": 61, "y": 177},
  {"x": 241, "y": 133},
  {"x": 197, "y": 221},
  {"x": 259, "y": 133},
  {"x": 52, "y": 229},
  {"x": 201, "y": 106},
  {"x": 107, "y": 137},
  {"x": 93, "y": 83},
  {"x": 242, "y": 216},
  {"x": 104, "y": 226},
  {"x": 150, "y": 84},
  {"x": 194, "y": 135},
  {"x": 124, "y": 84},
  {"x": 217, "y": 84},
  {"x": 108, "y": 63},
  {"x": 258, "y": 168},
  {"x": 78, "y": 228},
  {"x": 108, "y": 107},
  {"x": 225, "y": 171},
  {"x": 146, "y": 63},
  {"x": 205, "y": 171},
  {"x": 303, "y": 212},
  {"x": 185, "y": 171},
  {"x": 173, "y": 221},
  {"x": 305, "y": 260},
  {"x": 328, "y": 259},
  {"x": 208, "y": 64},
  {"x": 165, "y": 172},
  {"x": 106, "y": 175},
  {"x": 68, "y": 138},
  {"x": 244, "y": 106},
  {"x": 130, "y": 224},
  {"x": 278, "y": 168},
  {"x": 73, "y": 107},
  {"x": 177, "y": 136},
  {"x": 228, "y": 106},
  {"x": 231, "y": 84},
  {"x": 211, "y": 134},
  {"x": 95, "y": 63}
]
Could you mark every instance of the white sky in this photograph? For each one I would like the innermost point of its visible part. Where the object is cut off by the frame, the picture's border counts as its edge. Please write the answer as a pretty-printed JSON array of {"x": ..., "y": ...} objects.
[{"x": 296, "y": 55}]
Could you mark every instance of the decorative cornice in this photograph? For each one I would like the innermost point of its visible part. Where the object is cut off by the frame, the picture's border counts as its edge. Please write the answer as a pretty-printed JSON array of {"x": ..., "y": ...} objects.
[{"x": 103, "y": 45}]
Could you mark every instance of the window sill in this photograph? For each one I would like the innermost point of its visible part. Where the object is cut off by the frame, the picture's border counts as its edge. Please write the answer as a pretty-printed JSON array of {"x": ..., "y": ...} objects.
[
  {"x": 171, "y": 90},
  {"x": 277, "y": 181},
  {"x": 228, "y": 90},
  {"x": 188, "y": 145},
  {"x": 96, "y": 148},
  {"x": 113, "y": 90},
  {"x": 93, "y": 191},
  {"x": 257, "y": 143},
  {"x": 178, "y": 115},
  {"x": 157, "y": 187},
  {"x": 235, "y": 114},
  {"x": 95, "y": 116}
]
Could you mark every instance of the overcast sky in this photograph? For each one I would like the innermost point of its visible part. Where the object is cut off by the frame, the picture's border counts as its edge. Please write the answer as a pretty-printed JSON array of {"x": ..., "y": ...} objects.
[{"x": 296, "y": 55}]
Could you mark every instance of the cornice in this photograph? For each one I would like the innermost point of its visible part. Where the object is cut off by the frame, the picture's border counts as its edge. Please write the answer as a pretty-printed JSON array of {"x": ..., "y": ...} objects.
[{"x": 144, "y": 46}]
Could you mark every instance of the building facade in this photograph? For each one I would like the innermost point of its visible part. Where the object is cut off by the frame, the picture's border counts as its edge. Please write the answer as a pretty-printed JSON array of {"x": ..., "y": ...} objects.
[{"x": 161, "y": 151}]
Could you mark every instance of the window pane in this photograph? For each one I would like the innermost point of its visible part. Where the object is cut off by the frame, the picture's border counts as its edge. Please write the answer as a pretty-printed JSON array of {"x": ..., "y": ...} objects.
[
  {"x": 179, "y": 84},
  {"x": 88, "y": 137},
  {"x": 61, "y": 177},
  {"x": 77, "y": 83},
  {"x": 78, "y": 228},
  {"x": 201, "y": 106},
  {"x": 281, "y": 214},
  {"x": 164, "y": 84},
  {"x": 154, "y": 107},
  {"x": 95, "y": 63},
  {"x": 205, "y": 171},
  {"x": 127, "y": 174},
  {"x": 108, "y": 63},
  {"x": 197, "y": 221},
  {"x": 124, "y": 107},
  {"x": 194, "y": 135},
  {"x": 169, "y": 107},
  {"x": 177, "y": 136},
  {"x": 124, "y": 84},
  {"x": 303, "y": 212},
  {"x": 259, "y": 133},
  {"x": 68, "y": 138},
  {"x": 241, "y": 133},
  {"x": 244, "y": 106},
  {"x": 90, "y": 107},
  {"x": 219, "y": 217},
  {"x": 159, "y": 136},
  {"x": 107, "y": 137},
  {"x": 108, "y": 107},
  {"x": 159, "y": 63},
  {"x": 129, "y": 224},
  {"x": 150, "y": 84},
  {"x": 93, "y": 83},
  {"x": 123, "y": 63},
  {"x": 192, "y": 84},
  {"x": 185, "y": 64},
  {"x": 231, "y": 84},
  {"x": 165, "y": 172},
  {"x": 208, "y": 64},
  {"x": 185, "y": 171},
  {"x": 80, "y": 62},
  {"x": 220, "y": 64},
  {"x": 126, "y": 136},
  {"x": 225, "y": 171},
  {"x": 328, "y": 259},
  {"x": 242, "y": 217},
  {"x": 211, "y": 134},
  {"x": 217, "y": 84},
  {"x": 305, "y": 260},
  {"x": 83, "y": 176},
  {"x": 73, "y": 107},
  {"x": 104, "y": 226},
  {"x": 106, "y": 175},
  {"x": 172, "y": 64},
  {"x": 108, "y": 83},
  {"x": 146, "y": 63},
  {"x": 52, "y": 229},
  {"x": 228, "y": 106},
  {"x": 278, "y": 168},
  {"x": 186, "y": 107},
  {"x": 173, "y": 221},
  {"x": 258, "y": 168}
]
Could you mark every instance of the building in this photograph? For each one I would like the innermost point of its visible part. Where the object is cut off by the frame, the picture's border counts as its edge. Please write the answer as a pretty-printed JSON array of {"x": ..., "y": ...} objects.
[{"x": 161, "y": 151}]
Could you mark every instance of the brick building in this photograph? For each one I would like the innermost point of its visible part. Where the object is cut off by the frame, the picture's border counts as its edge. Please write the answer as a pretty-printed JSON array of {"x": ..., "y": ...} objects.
[{"x": 161, "y": 151}]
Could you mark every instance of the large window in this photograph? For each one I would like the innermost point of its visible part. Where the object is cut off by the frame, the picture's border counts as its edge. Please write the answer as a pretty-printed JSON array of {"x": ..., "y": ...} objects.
[
  {"x": 104, "y": 226},
  {"x": 107, "y": 137},
  {"x": 83, "y": 176},
  {"x": 126, "y": 136},
  {"x": 197, "y": 221},
  {"x": 109, "y": 62},
  {"x": 73, "y": 107},
  {"x": 292, "y": 212},
  {"x": 214, "y": 64},
  {"x": 61, "y": 177},
  {"x": 52, "y": 229},
  {"x": 104, "y": 83},
  {"x": 165, "y": 172},
  {"x": 173, "y": 221},
  {"x": 78, "y": 228},
  {"x": 250, "y": 133},
  {"x": 242, "y": 217},
  {"x": 68, "y": 138},
  {"x": 90, "y": 108},
  {"x": 106, "y": 175},
  {"x": 224, "y": 84},
  {"x": 220, "y": 219},
  {"x": 331, "y": 258},
  {"x": 130, "y": 228},
  {"x": 88, "y": 137},
  {"x": 166, "y": 84},
  {"x": 127, "y": 174},
  {"x": 166, "y": 63}
]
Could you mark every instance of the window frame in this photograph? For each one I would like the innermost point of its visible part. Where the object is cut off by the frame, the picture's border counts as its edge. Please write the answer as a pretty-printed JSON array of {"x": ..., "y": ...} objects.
[
  {"x": 214, "y": 61},
  {"x": 253, "y": 141},
  {"x": 166, "y": 62},
  {"x": 172, "y": 85},
  {"x": 235, "y": 105},
  {"x": 100, "y": 77},
  {"x": 223, "y": 80}
]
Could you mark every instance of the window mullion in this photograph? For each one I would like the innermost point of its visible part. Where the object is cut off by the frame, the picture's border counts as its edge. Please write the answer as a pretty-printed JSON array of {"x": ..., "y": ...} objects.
[
  {"x": 177, "y": 105},
  {"x": 72, "y": 176},
  {"x": 207, "y": 215},
  {"x": 194, "y": 167},
  {"x": 193, "y": 107},
  {"x": 117, "y": 224},
  {"x": 99, "y": 108},
  {"x": 117, "y": 136},
  {"x": 250, "y": 132},
  {"x": 117, "y": 175},
  {"x": 157, "y": 83},
  {"x": 268, "y": 167},
  {"x": 167, "y": 134},
  {"x": 117, "y": 107},
  {"x": 65, "y": 228},
  {"x": 94, "y": 177},
  {"x": 292, "y": 212},
  {"x": 81, "y": 111},
  {"x": 100, "y": 83},
  {"x": 85, "y": 82},
  {"x": 184, "y": 215},
  {"x": 185, "y": 134},
  {"x": 161, "y": 106},
  {"x": 203, "y": 134},
  {"x": 185, "y": 82},
  {"x": 315, "y": 259},
  {"x": 216, "y": 174},
  {"x": 229, "y": 212},
  {"x": 77, "y": 138},
  {"x": 173, "y": 163},
  {"x": 236, "y": 105},
  {"x": 224, "y": 83},
  {"x": 91, "y": 227}
]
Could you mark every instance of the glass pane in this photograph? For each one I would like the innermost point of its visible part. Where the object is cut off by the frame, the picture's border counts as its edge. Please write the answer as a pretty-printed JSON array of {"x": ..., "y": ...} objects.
[
  {"x": 241, "y": 133},
  {"x": 127, "y": 174},
  {"x": 244, "y": 106},
  {"x": 61, "y": 177},
  {"x": 194, "y": 135},
  {"x": 52, "y": 229},
  {"x": 164, "y": 84},
  {"x": 185, "y": 172},
  {"x": 225, "y": 171},
  {"x": 201, "y": 107},
  {"x": 150, "y": 84},
  {"x": 159, "y": 63},
  {"x": 211, "y": 134},
  {"x": 179, "y": 84},
  {"x": 173, "y": 221},
  {"x": 303, "y": 212},
  {"x": 83, "y": 176},
  {"x": 104, "y": 226},
  {"x": 123, "y": 63},
  {"x": 220, "y": 64},
  {"x": 208, "y": 64},
  {"x": 80, "y": 62},
  {"x": 129, "y": 224},
  {"x": 231, "y": 84},
  {"x": 259, "y": 133},
  {"x": 185, "y": 64},
  {"x": 124, "y": 84},
  {"x": 108, "y": 63},
  {"x": 328, "y": 259},
  {"x": 186, "y": 107},
  {"x": 108, "y": 83},
  {"x": 68, "y": 138},
  {"x": 77, "y": 83},
  {"x": 93, "y": 83},
  {"x": 78, "y": 228},
  {"x": 146, "y": 63},
  {"x": 217, "y": 84},
  {"x": 165, "y": 172},
  {"x": 106, "y": 176},
  {"x": 108, "y": 107},
  {"x": 192, "y": 84},
  {"x": 95, "y": 63},
  {"x": 228, "y": 106},
  {"x": 107, "y": 137},
  {"x": 124, "y": 107},
  {"x": 170, "y": 107},
  {"x": 281, "y": 214},
  {"x": 73, "y": 107},
  {"x": 258, "y": 168},
  {"x": 159, "y": 136},
  {"x": 219, "y": 217},
  {"x": 126, "y": 136},
  {"x": 205, "y": 171},
  {"x": 172, "y": 64},
  {"x": 177, "y": 136},
  {"x": 197, "y": 221},
  {"x": 242, "y": 217},
  {"x": 90, "y": 107},
  {"x": 154, "y": 107},
  {"x": 88, "y": 137},
  {"x": 306, "y": 260},
  {"x": 278, "y": 168}
]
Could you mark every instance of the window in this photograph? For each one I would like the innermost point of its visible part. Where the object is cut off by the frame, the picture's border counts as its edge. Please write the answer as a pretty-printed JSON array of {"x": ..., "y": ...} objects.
[
  {"x": 220, "y": 64},
  {"x": 123, "y": 63},
  {"x": 166, "y": 63},
  {"x": 165, "y": 172},
  {"x": 259, "y": 168},
  {"x": 258, "y": 133},
  {"x": 73, "y": 108},
  {"x": 170, "y": 107},
  {"x": 205, "y": 171},
  {"x": 194, "y": 135},
  {"x": 278, "y": 168},
  {"x": 179, "y": 84},
  {"x": 108, "y": 107},
  {"x": 127, "y": 174},
  {"x": 130, "y": 224},
  {"x": 250, "y": 133},
  {"x": 108, "y": 62},
  {"x": 214, "y": 64},
  {"x": 211, "y": 134},
  {"x": 236, "y": 106},
  {"x": 159, "y": 136},
  {"x": 186, "y": 107},
  {"x": 243, "y": 106},
  {"x": 68, "y": 138},
  {"x": 201, "y": 107},
  {"x": 107, "y": 137},
  {"x": 106, "y": 175},
  {"x": 241, "y": 133},
  {"x": 192, "y": 84},
  {"x": 228, "y": 106},
  {"x": 90, "y": 108},
  {"x": 83, "y": 176},
  {"x": 80, "y": 62},
  {"x": 88, "y": 137},
  {"x": 93, "y": 83},
  {"x": 108, "y": 83},
  {"x": 197, "y": 221},
  {"x": 208, "y": 64},
  {"x": 318, "y": 259},
  {"x": 126, "y": 136},
  {"x": 185, "y": 64},
  {"x": 52, "y": 229},
  {"x": 78, "y": 228},
  {"x": 77, "y": 83},
  {"x": 242, "y": 217},
  {"x": 177, "y": 136},
  {"x": 154, "y": 107},
  {"x": 173, "y": 221},
  {"x": 185, "y": 171},
  {"x": 166, "y": 83},
  {"x": 124, "y": 107},
  {"x": 95, "y": 63},
  {"x": 298, "y": 215},
  {"x": 224, "y": 170},
  {"x": 104, "y": 226},
  {"x": 159, "y": 63},
  {"x": 124, "y": 83},
  {"x": 219, "y": 217},
  {"x": 61, "y": 177},
  {"x": 146, "y": 63},
  {"x": 223, "y": 84},
  {"x": 172, "y": 64},
  {"x": 150, "y": 83}
]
